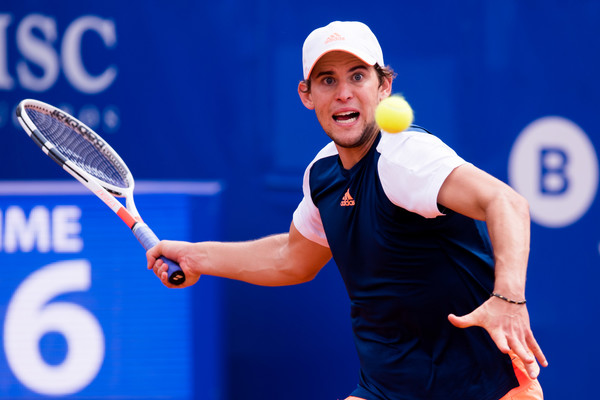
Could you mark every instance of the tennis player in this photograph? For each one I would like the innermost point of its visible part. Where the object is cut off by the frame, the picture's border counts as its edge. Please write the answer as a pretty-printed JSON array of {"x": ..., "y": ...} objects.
[{"x": 433, "y": 251}]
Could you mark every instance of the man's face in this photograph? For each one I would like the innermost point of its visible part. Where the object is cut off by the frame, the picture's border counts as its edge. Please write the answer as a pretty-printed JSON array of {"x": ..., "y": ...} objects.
[{"x": 344, "y": 94}]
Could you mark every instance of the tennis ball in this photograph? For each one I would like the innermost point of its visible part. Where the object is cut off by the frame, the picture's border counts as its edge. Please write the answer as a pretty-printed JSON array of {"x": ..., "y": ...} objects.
[{"x": 393, "y": 114}]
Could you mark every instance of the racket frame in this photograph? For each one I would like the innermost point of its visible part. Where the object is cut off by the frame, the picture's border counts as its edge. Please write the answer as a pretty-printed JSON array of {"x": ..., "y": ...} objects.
[
  {"x": 103, "y": 190},
  {"x": 106, "y": 192}
]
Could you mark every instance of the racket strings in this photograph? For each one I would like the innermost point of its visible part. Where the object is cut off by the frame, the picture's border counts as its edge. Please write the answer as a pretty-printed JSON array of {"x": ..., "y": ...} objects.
[{"x": 79, "y": 150}]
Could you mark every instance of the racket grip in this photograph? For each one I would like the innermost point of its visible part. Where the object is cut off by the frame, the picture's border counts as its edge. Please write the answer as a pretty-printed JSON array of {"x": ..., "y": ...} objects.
[{"x": 148, "y": 239}]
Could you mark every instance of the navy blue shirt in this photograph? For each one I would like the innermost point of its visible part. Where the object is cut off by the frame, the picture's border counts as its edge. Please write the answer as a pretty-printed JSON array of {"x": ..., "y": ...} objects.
[{"x": 404, "y": 274}]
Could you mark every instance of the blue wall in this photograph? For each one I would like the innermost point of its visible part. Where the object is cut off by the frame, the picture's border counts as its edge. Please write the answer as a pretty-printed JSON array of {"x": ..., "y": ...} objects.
[{"x": 207, "y": 91}]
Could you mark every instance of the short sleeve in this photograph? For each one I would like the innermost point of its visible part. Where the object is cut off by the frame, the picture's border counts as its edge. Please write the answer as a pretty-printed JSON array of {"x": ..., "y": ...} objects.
[
  {"x": 307, "y": 218},
  {"x": 307, "y": 221},
  {"x": 412, "y": 168}
]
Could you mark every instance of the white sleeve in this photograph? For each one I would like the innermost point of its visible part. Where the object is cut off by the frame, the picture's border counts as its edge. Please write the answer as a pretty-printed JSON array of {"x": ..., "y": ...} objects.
[
  {"x": 308, "y": 222},
  {"x": 307, "y": 218},
  {"x": 412, "y": 168}
]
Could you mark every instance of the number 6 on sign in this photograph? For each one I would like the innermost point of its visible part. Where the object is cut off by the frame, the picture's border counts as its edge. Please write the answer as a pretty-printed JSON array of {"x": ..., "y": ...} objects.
[
  {"x": 85, "y": 155},
  {"x": 30, "y": 316}
]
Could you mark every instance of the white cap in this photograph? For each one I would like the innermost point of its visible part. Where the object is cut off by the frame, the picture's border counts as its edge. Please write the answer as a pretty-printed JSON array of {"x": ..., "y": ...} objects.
[{"x": 352, "y": 37}]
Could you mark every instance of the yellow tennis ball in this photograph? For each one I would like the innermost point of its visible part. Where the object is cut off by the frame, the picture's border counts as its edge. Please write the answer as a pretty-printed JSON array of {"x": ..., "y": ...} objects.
[{"x": 394, "y": 114}]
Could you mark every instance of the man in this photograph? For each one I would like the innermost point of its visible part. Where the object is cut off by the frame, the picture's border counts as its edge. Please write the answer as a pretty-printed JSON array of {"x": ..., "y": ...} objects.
[{"x": 401, "y": 215}]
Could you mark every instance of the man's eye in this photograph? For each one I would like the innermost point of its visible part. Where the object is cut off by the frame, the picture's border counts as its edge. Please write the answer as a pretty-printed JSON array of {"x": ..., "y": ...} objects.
[
  {"x": 357, "y": 77},
  {"x": 328, "y": 80}
]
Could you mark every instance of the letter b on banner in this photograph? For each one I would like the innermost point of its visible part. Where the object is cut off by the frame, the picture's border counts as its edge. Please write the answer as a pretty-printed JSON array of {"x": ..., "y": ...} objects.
[
  {"x": 553, "y": 178},
  {"x": 554, "y": 165}
]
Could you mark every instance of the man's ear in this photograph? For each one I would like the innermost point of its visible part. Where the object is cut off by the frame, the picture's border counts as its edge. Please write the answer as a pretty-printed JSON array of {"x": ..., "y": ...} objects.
[
  {"x": 305, "y": 95},
  {"x": 385, "y": 89}
]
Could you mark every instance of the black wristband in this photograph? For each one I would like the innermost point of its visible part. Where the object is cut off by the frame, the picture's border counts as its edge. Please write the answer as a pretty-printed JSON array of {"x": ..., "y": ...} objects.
[{"x": 507, "y": 299}]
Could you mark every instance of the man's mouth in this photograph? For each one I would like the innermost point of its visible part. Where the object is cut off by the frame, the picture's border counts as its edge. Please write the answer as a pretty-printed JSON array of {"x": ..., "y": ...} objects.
[{"x": 346, "y": 117}]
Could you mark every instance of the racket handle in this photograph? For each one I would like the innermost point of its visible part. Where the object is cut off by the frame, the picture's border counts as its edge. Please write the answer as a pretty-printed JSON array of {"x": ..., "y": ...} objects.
[{"x": 148, "y": 239}]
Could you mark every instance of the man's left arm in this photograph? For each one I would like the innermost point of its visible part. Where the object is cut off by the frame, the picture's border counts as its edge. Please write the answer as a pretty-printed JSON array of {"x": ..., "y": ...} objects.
[{"x": 476, "y": 194}]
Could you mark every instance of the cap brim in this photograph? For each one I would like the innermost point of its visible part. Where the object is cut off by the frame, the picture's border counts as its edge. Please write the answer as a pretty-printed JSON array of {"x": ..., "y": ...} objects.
[{"x": 369, "y": 60}]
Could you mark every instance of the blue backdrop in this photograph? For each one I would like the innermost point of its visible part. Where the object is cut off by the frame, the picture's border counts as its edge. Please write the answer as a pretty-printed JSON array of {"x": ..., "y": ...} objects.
[
  {"x": 207, "y": 91},
  {"x": 79, "y": 316}
]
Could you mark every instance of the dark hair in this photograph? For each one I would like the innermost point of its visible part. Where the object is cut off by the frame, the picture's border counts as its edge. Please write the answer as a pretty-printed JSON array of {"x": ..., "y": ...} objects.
[{"x": 382, "y": 73}]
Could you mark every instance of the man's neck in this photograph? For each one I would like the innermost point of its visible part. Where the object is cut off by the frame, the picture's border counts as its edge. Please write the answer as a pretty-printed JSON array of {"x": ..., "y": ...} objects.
[{"x": 350, "y": 156}]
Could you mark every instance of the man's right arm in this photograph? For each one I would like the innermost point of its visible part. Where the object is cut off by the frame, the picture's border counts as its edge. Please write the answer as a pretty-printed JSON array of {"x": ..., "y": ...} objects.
[{"x": 277, "y": 260}]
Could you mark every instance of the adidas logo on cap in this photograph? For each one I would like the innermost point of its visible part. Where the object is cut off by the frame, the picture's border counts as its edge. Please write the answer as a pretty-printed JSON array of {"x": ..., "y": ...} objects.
[{"x": 334, "y": 37}]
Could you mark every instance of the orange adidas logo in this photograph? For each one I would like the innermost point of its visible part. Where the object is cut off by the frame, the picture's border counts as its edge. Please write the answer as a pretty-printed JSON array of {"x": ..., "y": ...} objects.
[
  {"x": 347, "y": 200},
  {"x": 334, "y": 37}
]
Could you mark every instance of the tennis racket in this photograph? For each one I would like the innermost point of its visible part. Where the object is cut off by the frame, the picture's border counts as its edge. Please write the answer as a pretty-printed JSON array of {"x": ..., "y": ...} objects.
[{"x": 85, "y": 155}]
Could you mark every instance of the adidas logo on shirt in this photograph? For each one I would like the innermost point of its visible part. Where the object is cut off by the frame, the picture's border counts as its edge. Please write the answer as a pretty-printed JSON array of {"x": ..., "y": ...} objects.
[{"x": 347, "y": 200}]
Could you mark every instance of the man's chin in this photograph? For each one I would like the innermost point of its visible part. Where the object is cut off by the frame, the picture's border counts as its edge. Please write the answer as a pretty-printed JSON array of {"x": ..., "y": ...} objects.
[{"x": 354, "y": 140}]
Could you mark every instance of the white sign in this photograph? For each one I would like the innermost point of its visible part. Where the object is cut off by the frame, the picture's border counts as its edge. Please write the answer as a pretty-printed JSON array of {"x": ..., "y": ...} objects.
[{"x": 554, "y": 165}]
